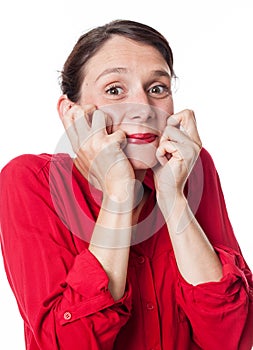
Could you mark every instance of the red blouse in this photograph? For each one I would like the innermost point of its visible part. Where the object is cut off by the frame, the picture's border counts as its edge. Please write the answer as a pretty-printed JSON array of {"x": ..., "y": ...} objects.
[{"x": 48, "y": 211}]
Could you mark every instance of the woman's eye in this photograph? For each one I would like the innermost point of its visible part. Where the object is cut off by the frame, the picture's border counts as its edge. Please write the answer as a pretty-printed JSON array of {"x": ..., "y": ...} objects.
[
  {"x": 114, "y": 90},
  {"x": 161, "y": 90}
]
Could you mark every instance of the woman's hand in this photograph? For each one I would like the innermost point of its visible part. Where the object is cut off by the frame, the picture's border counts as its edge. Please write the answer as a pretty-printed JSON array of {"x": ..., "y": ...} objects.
[
  {"x": 99, "y": 155},
  {"x": 100, "y": 159},
  {"x": 177, "y": 153}
]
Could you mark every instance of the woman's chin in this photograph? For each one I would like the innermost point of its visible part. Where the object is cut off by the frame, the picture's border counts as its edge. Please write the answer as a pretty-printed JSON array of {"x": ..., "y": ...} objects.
[
  {"x": 141, "y": 158},
  {"x": 140, "y": 165}
]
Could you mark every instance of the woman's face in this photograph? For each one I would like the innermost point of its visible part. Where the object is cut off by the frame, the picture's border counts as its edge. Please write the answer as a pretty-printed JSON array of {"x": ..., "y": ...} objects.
[{"x": 131, "y": 82}]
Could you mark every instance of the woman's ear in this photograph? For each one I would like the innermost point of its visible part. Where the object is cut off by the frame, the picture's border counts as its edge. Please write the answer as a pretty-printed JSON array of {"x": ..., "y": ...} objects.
[{"x": 63, "y": 105}]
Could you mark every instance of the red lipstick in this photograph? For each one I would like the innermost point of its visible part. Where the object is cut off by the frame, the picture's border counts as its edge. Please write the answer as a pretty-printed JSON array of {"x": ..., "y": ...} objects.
[{"x": 141, "y": 138}]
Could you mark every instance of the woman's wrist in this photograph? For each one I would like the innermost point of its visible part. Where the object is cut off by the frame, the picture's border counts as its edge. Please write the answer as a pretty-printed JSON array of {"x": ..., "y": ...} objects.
[
  {"x": 118, "y": 204},
  {"x": 170, "y": 202},
  {"x": 114, "y": 224},
  {"x": 119, "y": 197}
]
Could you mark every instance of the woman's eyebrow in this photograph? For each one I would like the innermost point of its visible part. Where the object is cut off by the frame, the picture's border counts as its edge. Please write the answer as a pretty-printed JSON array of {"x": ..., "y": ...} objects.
[
  {"x": 161, "y": 73},
  {"x": 112, "y": 70}
]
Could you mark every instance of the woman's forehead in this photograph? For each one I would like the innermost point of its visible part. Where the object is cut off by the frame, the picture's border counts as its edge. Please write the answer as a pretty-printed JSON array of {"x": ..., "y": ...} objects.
[{"x": 119, "y": 51}]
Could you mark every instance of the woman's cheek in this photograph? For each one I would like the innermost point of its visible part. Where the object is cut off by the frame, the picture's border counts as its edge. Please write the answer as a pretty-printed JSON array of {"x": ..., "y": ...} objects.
[
  {"x": 115, "y": 114},
  {"x": 162, "y": 125}
]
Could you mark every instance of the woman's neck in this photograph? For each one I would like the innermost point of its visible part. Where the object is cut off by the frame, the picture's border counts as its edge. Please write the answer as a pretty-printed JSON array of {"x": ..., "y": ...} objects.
[{"x": 140, "y": 175}]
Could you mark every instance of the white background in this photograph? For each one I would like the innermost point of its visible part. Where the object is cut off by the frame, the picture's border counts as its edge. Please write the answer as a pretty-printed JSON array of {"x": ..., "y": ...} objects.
[{"x": 212, "y": 44}]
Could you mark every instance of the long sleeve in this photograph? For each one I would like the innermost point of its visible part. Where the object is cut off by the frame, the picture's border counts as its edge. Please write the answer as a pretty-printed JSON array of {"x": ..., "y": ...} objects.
[
  {"x": 220, "y": 313},
  {"x": 62, "y": 293}
]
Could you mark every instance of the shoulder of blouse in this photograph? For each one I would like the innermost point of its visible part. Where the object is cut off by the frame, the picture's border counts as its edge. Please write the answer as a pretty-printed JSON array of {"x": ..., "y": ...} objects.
[
  {"x": 206, "y": 157},
  {"x": 34, "y": 162}
]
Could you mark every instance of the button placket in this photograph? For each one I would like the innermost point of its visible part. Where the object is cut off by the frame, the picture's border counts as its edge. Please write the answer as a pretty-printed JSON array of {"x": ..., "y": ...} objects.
[{"x": 149, "y": 302}]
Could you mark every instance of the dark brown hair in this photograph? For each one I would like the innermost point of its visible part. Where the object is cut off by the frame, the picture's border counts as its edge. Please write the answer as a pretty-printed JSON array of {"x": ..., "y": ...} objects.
[{"x": 89, "y": 43}]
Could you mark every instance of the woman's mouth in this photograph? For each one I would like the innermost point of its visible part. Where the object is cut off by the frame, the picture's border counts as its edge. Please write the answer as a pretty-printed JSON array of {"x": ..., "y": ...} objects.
[{"x": 141, "y": 138}]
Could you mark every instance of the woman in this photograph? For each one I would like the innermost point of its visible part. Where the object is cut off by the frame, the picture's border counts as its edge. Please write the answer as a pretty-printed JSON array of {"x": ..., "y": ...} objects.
[{"x": 128, "y": 245}]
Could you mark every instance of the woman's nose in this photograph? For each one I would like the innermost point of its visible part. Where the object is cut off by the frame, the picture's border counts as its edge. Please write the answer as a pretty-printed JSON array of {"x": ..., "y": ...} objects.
[{"x": 139, "y": 107}]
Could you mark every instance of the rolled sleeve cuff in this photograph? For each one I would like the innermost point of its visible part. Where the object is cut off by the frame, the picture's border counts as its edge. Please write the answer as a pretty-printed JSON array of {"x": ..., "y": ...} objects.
[
  {"x": 233, "y": 265},
  {"x": 217, "y": 308},
  {"x": 86, "y": 291},
  {"x": 231, "y": 287}
]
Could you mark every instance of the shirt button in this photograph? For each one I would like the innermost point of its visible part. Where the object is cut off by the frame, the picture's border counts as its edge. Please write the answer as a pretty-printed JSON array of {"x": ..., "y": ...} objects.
[
  {"x": 67, "y": 316},
  {"x": 150, "y": 306},
  {"x": 141, "y": 259}
]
